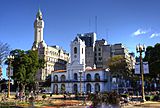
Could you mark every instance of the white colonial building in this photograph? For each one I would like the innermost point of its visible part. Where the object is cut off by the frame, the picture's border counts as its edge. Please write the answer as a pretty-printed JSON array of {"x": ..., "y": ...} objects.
[{"x": 78, "y": 77}]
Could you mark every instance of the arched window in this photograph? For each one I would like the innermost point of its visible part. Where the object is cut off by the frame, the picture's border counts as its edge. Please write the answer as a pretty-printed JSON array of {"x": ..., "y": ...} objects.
[
  {"x": 63, "y": 78},
  {"x": 97, "y": 77},
  {"x": 75, "y": 50},
  {"x": 75, "y": 76},
  {"x": 63, "y": 88},
  {"x": 88, "y": 89},
  {"x": 75, "y": 88},
  {"x": 88, "y": 77},
  {"x": 55, "y": 78},
  {"x": 55, "y": 88},
  {"x": 97, "y": 87}
]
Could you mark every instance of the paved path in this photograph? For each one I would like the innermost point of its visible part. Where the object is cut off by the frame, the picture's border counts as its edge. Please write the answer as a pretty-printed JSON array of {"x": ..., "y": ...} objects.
[{"x": 147, "y": 104}]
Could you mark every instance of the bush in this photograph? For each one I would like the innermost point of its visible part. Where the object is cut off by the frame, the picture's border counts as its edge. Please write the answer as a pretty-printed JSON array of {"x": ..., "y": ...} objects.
[
  {"x": 124, "y": 95},
  {"x": 114, "y": 98},
  {"x": 44, "y": 96},
  {"x": 27, "y": 93},
  {"x": 149, "y": 97},
  {"x": 156, "y": 98},
  {"x": 31, "y": 98},
  {"x": 107, "y": 98}
]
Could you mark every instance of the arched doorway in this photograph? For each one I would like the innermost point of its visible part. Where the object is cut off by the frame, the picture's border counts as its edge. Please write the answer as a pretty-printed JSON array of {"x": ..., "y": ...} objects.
[
  {"x": 63, "y": 88},
  {"x": 63, "y": 78},
  {"x": 55, "y": 89},
  {"x": 75, "y": 88},
  {"x": 97, "y": 87},
  {"x": 75, "y": 76},
  {"x": 88, "y": 90},
  {"x": 97, "y": 77},
  {"x": 88, "y": 77},
  {"x": 55, "y": 78}
]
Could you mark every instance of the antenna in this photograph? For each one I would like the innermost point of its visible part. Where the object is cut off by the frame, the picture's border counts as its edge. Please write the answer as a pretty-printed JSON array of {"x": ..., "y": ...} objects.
[
  {"x": 107, "y": 36},
  {"x": 96, "y": 24},
  {"x": 89, "y": 24}
]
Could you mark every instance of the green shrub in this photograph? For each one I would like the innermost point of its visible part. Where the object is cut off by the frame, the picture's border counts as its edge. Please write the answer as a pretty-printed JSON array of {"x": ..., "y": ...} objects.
[
  {"x": 44, "y": 96},
  {"x": 124, "y": 95},
  {"x": 156, "y": 98},
  {"x": 114, "y": 98},
  {"x": 27, "y": 93},
  {"x": 31, "y": 99},
  {"x": 107, "y": 98},
  {"x": 147, "y": 98}
]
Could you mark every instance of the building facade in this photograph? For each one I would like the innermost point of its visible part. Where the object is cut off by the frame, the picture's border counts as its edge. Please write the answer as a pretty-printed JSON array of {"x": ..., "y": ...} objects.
[
  {"x": 78, "y": 78},
  {"x": 56, "y": 58},
  {"x": 89, "y": 39},
  {"x": 98, "y": 52}
]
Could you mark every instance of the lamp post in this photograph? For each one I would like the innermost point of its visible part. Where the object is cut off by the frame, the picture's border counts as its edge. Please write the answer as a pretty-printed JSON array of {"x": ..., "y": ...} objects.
[
  {"x": 10, "y": 58},
  {"x": 80, "y": 72},
  {"x": 140, "y": 49}
]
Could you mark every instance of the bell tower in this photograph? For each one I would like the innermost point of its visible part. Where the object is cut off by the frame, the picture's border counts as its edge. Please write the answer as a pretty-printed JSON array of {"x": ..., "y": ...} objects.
[
  {"x": 78, "y": 51},
  {"x": 38, "y": 30}
]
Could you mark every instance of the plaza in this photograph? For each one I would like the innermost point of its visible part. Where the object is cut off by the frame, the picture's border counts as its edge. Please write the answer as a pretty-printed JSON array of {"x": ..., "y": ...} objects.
[{"x": 79, "y": 54}]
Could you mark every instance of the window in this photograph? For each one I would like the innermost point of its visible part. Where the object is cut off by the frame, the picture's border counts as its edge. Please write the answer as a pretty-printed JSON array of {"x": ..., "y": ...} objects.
[
  {"x": 63, "y": 78},
  {"x": 88, "y": 88},
  {"x": 100, "y": 58},
  {"x": 75, "y": 88},
  {"x": 82, "y": 50},
  {"x": 55, "y": 88},
  {"x": 99, "y": 54},
  {"x": 55, "y": 78},
  {"x": 97, "y": 77},
  {"x": 99, "y": 49},
  {"x": 95, "y": 49},
  {"x": 63, "y": 88},
  {"x": 75, "y": 76},
  {"x": 97, "y": 87},
  {"x": 95, "y": 59},
  {"x": 88, "y": 77},
  {"x": 75, "y": 50}
]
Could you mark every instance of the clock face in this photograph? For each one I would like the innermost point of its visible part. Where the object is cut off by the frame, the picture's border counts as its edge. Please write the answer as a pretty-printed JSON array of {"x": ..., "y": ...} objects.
[
  {"x": 39, "y": 23},
  {"x": 75, "y": 56}
]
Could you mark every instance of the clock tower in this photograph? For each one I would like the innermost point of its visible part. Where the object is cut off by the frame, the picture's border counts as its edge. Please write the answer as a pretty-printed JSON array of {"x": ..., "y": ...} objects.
[{"x": 38, "y": 30}]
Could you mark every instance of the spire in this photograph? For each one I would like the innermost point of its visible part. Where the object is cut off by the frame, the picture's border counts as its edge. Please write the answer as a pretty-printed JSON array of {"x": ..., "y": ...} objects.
[{"x": 39, "y": 14}]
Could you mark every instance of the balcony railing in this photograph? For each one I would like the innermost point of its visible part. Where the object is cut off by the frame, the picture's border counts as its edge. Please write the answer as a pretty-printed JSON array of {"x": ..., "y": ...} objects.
[{"x": 86, "y": 80}]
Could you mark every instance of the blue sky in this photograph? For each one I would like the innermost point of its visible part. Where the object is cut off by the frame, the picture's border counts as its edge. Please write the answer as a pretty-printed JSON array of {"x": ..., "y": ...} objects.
[{"x": 127, "y": 21}]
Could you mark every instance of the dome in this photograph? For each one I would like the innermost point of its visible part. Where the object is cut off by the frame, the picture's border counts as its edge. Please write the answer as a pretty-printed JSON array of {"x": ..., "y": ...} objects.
[{"x": 39, "y": 14}]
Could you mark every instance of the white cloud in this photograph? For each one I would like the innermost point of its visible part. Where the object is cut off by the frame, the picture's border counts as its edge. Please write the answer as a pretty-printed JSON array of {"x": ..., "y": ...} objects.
[
  {"x": 139, "y": 32},
  {"x": 154, "y": 35}
]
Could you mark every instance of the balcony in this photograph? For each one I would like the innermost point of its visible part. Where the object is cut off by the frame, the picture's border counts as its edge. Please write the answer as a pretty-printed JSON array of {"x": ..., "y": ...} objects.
[{"x": 78, "y": 81}]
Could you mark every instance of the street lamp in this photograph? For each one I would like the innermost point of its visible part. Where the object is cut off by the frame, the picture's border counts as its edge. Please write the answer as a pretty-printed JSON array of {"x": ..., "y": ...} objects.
[
  {"x": 10, "y": 58},
  {"x": 140, "y": 49},
  {"x": 80, "y": 72}
]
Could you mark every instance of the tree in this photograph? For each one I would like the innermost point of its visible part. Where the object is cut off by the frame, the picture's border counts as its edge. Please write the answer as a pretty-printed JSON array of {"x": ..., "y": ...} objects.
[
  {"x": 152, "y": 55},
  {"x": 118, "y": 66},
  {"x": 47, "y": 82},
  {"x": 4, "y": 51},
  {"x": 26, "y": 65}
]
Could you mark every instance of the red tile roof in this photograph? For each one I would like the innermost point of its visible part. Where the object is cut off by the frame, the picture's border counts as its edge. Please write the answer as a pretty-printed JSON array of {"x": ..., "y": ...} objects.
[
  {"x": 99, "y": 69},
  {"x": 59, "y": 71}
]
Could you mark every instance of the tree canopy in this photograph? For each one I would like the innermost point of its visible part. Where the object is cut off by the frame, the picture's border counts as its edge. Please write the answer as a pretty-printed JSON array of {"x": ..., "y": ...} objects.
[
  {"x": 25, "y": 66},
  {"x": 118, "y": 66},
  {"x": 152, "y": 55}
]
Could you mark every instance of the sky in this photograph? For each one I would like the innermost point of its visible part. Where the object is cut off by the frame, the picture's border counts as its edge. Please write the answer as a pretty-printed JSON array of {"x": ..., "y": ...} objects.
[{"x": 118, "y": 21}]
